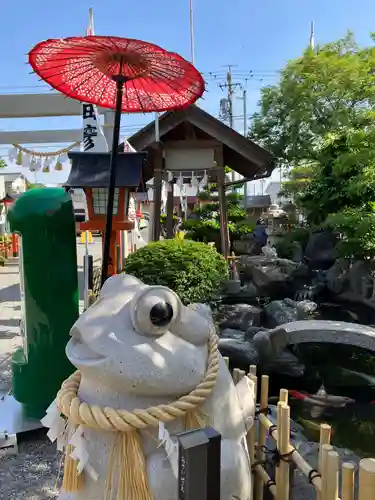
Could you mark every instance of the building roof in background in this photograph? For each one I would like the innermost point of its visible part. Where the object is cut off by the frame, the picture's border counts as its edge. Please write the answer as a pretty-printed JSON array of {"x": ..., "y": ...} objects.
[
  {"x": 259, "y": 201},
  {"x": 273, "y": 188}
]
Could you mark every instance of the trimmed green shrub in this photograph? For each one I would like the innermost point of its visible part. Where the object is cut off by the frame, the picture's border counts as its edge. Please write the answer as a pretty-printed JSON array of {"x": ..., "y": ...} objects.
[{"x": 194, "y": 270}]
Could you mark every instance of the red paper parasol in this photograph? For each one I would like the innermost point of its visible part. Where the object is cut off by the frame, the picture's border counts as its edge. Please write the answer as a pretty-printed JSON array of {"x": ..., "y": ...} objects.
[
  {"x": 122, "y": 73},
  {"x": 86, "y": 68}
]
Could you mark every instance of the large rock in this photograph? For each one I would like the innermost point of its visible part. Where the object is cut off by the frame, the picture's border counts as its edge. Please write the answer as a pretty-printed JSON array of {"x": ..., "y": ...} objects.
[
  {"x": 279, "y": 312},
  {"x": 337, "y": 276},
  {"x": 139, "y": 347},
  {"x": 285, "y": 363},
  {"x": 238, "y": 316},
  {"x": 241, "y": 353},
  {"x": 273, "y": 276},
  {"x": 320, "y": 250}
]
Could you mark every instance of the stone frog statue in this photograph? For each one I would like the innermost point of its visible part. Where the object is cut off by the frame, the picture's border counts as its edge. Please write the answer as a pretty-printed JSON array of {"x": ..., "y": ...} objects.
[{"x": 136, "y": 348}]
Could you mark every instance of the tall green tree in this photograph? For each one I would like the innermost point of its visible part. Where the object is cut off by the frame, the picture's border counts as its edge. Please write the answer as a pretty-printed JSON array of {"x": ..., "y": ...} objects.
[
  {"x": 322, "y": 91},
  {"x": 297, "y": 179},
  {"x": 345, "y": 177},
  {"x": 2, "y": 163}
]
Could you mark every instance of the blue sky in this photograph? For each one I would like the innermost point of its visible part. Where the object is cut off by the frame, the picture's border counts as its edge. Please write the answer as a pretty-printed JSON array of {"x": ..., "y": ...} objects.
[{"x": 257, "y": 37}]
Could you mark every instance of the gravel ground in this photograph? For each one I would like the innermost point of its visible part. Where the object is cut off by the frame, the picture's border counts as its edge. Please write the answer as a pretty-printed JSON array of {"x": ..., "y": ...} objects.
[{"x": 33, "y": 474}]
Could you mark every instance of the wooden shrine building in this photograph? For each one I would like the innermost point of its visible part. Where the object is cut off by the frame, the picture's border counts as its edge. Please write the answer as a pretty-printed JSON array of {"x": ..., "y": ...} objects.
[{"x": 192, "y": 140}]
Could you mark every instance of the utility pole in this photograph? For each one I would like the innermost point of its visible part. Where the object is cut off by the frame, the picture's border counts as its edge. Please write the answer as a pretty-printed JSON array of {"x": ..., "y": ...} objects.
[
  {"x": 230, "y": 86},
  {"x": 244, "y": 102}
]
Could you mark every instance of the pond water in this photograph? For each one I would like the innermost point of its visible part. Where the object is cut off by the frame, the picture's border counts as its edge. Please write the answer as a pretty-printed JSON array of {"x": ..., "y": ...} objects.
[{"x": 345, "y": 371}]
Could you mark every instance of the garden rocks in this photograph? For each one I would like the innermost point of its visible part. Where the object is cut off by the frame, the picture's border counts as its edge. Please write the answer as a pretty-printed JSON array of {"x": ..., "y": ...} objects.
[
  {"x": 241, "y": 354},
  {"x": 272, "y": 275},
  {"x": 321, "y": 249},
  {"x": 279, "y": 312},
  {"x": 285, "y": 363},
  {"x": 238, "y": 316},
  {"x": 337, "y": 276},
  {"x": 231, "y": 333}
]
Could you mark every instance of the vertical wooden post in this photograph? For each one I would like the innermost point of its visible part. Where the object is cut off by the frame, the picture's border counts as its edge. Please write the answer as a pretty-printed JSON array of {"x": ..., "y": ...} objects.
[
  {"x": 326, "y": 448},
  {"x": 170, "y": 206},
  {"x": 333, "y": 464},
  {"x": 347, "y": 489},
  {"x": 223, "y": 209},
  {"x": 366, "y": 479},
  {"x": 158, "y": 179},
  {"x": 252, "y": 370},
  {"x": 283, "y": 397},
  {"x": 282, "y": 482},
  {"x": 236, "y": 375},
  {"x": 264, "y": 387},
  {"x": 325, "y": 438}
]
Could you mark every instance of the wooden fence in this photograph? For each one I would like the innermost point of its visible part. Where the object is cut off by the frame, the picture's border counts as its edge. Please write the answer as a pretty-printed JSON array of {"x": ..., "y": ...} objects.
[{"x": 325, "y": 480}]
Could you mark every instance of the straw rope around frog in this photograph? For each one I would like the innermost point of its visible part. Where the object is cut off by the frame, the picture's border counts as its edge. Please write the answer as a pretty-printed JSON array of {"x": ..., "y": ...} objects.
[{"x": 109, "y": 419}]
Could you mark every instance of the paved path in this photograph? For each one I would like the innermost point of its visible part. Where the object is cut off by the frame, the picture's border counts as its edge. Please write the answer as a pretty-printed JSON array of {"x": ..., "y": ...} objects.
[{"x": 10, "y": 314}]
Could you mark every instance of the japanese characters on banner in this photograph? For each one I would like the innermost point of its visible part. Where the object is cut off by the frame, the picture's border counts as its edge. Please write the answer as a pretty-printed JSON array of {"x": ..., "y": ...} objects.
[{"x": 93, "y": 136}]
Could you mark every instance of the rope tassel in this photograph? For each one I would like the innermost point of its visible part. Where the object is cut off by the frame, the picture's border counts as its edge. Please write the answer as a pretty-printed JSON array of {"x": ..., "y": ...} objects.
[{"x": 126, "y": 463}]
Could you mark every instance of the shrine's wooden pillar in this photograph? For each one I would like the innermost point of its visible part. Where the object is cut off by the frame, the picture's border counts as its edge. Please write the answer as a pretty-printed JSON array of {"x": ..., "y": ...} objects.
[
  {"x": 170, "y": 208},
  {"x": 223, "y": 208},
  {"x": 158, "y": 180}
]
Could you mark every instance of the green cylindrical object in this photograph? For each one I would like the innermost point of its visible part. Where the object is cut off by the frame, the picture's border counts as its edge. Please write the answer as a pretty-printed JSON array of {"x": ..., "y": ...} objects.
[{"x": 44, "y": 220}]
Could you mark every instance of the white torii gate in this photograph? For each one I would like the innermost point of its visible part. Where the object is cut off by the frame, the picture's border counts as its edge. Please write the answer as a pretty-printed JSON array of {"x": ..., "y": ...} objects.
[{"x": 43, "y": 106}]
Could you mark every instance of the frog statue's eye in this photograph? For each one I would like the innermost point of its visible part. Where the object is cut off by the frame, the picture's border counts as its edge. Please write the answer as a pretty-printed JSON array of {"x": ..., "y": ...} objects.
[{"x": 154, "y": 309}]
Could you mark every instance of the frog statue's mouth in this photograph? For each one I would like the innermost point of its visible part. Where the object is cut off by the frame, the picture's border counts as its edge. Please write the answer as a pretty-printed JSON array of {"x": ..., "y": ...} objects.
[{"x": 80, "y": 354}]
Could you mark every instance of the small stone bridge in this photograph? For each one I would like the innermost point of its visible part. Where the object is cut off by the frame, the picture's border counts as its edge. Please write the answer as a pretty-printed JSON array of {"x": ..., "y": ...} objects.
[{"x": 270, "y": 343}]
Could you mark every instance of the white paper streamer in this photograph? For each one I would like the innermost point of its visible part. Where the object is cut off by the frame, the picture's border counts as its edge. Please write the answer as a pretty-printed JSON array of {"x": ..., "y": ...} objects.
[
  {"x": 80, "y": 453},
  {"x": 171, "y": 448},
  {"x": 12, "y": 154},
  {"x": 246, "y": 396},
  {"x": 56, "y": 425}
]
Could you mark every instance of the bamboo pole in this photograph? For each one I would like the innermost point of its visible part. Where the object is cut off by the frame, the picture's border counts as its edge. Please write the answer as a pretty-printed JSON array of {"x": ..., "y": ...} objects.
[
  {"x": 241, "y": 374},
  {"x": 324, "y": 438},
  {"x": 347, "y": 489},
  {"x": 265, "y": 478},
  {"x": 326, "y": 448},
  {"x": 333, "y": 465},
  {"x": 366, "y": 479},
  {"x": 295, "y": 457},
  {"x": 236, "y": 375},
  {"x": 282, "y": 483},
  {"x": 264, "y": 387},
  {"x": 283, "y": 398},
  {"x": 226, "y": 359},
  {"x": 252, "y": 370}
]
